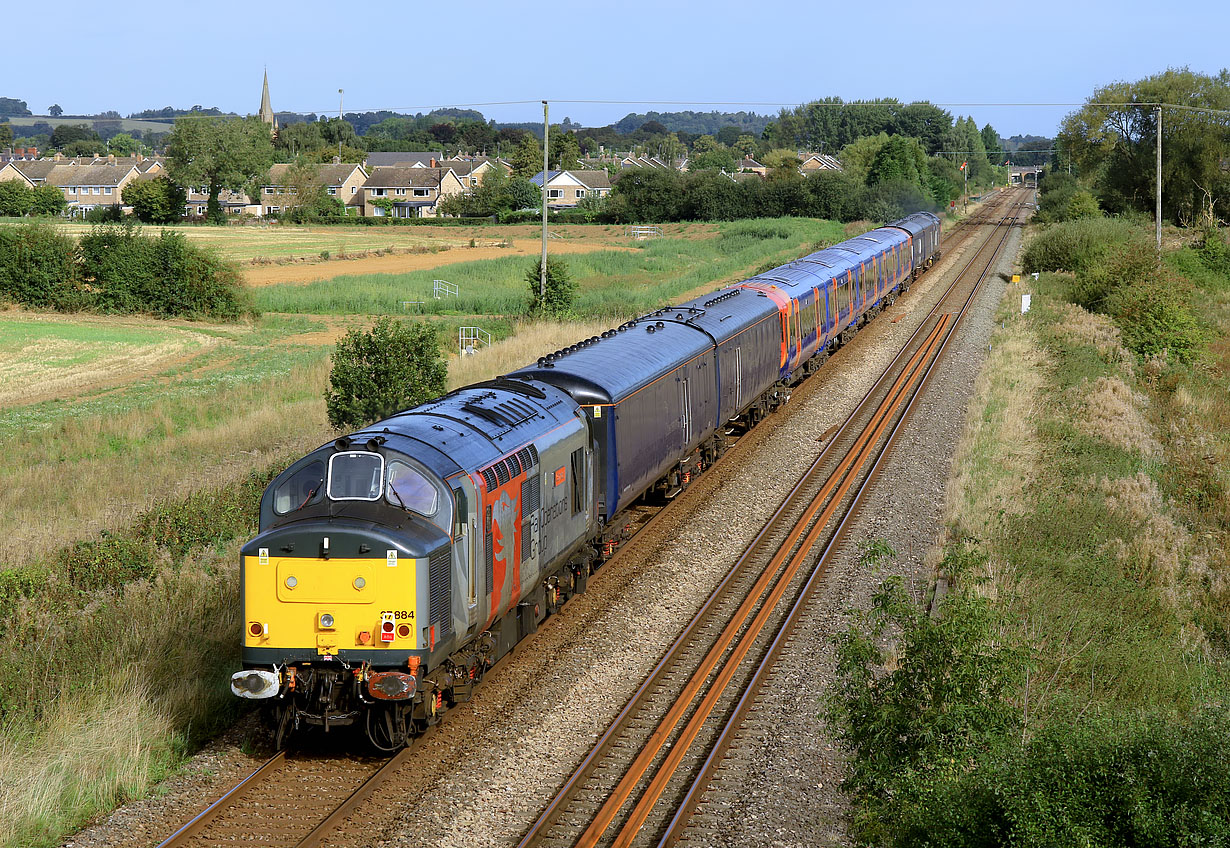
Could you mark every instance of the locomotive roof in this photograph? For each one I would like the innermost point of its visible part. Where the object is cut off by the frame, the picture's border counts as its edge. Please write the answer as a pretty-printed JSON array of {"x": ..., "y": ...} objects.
[
  {"x": 916, "y": 223},
  {"x": 605, "y": 369},
  {"x": 471, "y": 427},
  {"x": 720, "y": 314}
]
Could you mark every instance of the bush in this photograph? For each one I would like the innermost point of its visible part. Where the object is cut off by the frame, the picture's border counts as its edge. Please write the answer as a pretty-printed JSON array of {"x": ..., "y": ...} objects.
[
  {"x": 560, "y": 290},
  {"x": 16, "y": 198},
  {"x": 942, "y": 702},
  {"x": 1213, "y": 251},
  {"x": 376, "y": 373},
  {"x": 156, "y": 201},
  {"x": 110, "y": 214},
  {"x": 1077, "y": 245},
  {"x": 1125, "y": 782},
  {"x": 166, "y": 276},
  {"x": 37, "y": 266},
  {"x": 1154, "y": 317}
]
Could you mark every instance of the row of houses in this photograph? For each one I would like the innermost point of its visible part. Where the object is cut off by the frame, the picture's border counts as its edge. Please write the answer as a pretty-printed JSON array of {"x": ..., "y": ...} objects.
[{"x": 401, "y": 185}]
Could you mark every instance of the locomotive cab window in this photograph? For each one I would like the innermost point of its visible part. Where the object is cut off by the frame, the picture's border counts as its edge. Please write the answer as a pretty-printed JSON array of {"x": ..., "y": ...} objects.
[
  {"x": 356, "y": 476},
  {"x": 303, "y": 487},
  {"x": 410, "y": 489}
]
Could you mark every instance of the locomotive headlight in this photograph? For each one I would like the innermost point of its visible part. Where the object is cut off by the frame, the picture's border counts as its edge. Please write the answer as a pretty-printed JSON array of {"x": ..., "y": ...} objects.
[
  {"x": 326, "y": 621},
  {"x": 292, "y": 582},
  {"x": 359, "y": 582}
]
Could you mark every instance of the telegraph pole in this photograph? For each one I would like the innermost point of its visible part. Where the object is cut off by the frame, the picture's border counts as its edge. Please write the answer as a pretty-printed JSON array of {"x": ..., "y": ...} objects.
[
  {"x": 339, "y": 125},
  {"x": 542, "y": 271},
  {"x": 1158, "y": 211}
]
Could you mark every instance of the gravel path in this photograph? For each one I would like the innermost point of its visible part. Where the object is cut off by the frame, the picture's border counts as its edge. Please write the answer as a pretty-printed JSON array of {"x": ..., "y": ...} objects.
[{"x": 482, "y": 777}]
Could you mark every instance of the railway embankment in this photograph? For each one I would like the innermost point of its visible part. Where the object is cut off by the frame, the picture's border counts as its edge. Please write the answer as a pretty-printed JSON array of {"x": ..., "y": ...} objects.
[{"x": 1088, "y": 508}]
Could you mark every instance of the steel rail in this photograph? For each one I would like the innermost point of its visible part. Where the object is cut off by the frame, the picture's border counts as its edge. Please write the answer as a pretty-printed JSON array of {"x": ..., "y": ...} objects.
[
  {"x": 198, "y": 823},
  {"x": 692, "y": 797}
]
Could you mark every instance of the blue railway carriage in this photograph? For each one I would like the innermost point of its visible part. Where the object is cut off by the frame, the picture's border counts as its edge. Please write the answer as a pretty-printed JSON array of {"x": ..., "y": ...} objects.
[
  {"x": 744, "y": 327},
  {"x": 649, "y": 389},
  {"x": 383, "y": 555}
]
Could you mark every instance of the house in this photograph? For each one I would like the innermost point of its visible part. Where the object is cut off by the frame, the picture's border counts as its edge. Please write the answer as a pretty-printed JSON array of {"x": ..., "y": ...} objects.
[
  {"x": 566, "y": 188},
  {"x": 19, "y": 153},
  {"x": 342, "y": 180},
  {"x": 10, "y": 171},
  {"x": 87, "y": 186},
  {"x": 34, "y": 171},
  {"x": 818, "y": 162},
  {"x": 401, "y": 159},
  {"x": 752, "y": 166},
  {"x": 409, "y": 192},
  {"x": 472, "y": 171}
]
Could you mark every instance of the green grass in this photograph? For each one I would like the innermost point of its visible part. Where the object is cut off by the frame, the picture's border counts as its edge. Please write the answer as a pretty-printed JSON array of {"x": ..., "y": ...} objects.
[{"x": 610, "y": 283}]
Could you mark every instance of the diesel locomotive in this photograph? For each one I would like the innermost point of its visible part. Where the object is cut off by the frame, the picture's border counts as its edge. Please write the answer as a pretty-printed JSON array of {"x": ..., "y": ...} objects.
[{"x": 394, "y": 566}]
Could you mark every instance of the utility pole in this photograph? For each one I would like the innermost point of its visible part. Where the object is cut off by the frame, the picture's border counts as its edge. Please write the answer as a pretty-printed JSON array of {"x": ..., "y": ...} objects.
[
  {"x": 542, "y": 271},
  {"x": 339, "y": 125},
  {"x": 965, "y": 196},
  {"x": 1158, "y": 211}
]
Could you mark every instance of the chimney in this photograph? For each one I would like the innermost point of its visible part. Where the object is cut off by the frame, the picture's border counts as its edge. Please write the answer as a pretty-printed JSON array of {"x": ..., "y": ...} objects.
[
  {"x": 58, "y": 156},
  {"x": 434, "y": 163},
  {"x": 337, "y": 160},
  {"x": 110, "y": 158}
]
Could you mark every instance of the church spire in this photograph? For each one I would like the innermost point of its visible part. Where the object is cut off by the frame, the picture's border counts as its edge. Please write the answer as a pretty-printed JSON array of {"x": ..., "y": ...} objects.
[{"x": 266, "y": 113}]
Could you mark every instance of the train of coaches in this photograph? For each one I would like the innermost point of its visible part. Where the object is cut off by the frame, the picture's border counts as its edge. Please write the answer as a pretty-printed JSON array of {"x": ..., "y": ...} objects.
[{"x": 396, "y": 565}]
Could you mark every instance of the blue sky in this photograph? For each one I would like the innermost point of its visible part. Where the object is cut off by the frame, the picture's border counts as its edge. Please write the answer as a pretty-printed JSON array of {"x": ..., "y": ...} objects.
[{"x": 411, "y": 56}]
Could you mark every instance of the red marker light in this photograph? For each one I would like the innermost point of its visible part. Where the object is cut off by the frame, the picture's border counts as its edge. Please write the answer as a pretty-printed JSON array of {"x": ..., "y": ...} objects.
[
  {"x": 386, "y": 631},
  {"x": 256, "y": 628},
  {"x": 403, "y": 631}
]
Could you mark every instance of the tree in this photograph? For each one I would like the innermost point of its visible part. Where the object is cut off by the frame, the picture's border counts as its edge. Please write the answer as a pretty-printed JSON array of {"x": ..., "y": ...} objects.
[
  {"x": 47, "y": 200},
  {"x": 218, "y": 153},
  {"x": 376, "y": 373},
  {"x": 1117, "y": 144},
  {"x": 523, "y": 193},
  {"x": 556, "y": 301},
  {"x": 122, "y": 144},
  {"x": 82, "y": 147},
  {"x": 14, "y": 107},
  {"x": 65, "y": 134},
  {"x": 54, "y": 110},
  {"x": 6, "y": 135},
  {"x": 526, "y": 158},
  {"x": 15, "y": 198},
  {"x": 156, "y": 201},
  {"x": 565, "y": 151}
]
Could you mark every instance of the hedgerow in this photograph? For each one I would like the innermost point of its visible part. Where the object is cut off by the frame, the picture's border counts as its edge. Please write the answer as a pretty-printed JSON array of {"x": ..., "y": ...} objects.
[{"x": 115, "y": 268}]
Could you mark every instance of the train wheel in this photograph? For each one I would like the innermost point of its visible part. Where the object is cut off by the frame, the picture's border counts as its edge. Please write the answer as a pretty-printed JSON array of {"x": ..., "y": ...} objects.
[{"x": 386, "y": 728}]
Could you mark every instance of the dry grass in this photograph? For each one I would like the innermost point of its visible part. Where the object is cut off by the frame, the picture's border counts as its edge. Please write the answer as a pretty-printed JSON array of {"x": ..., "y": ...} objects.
[
  {"x": 74, "y": 486},
  {"x": 109, "y": 730},
  {"x": 528, "y": 342},
  {"x": 1080, "y": 326},
  {"x": 999, "y": 451},
  {"x": 1159, "y": 552},
  {"x": 1108, "y": 409}
]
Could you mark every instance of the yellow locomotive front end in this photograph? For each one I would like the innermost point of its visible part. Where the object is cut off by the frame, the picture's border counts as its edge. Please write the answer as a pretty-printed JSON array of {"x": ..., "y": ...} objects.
[{"x": 340, "y": 625}]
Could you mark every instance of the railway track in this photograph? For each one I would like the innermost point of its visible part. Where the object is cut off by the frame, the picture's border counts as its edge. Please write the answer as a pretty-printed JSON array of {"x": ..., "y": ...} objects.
[
  {"x": 299, "y": 800},
  {"x": 644, "y": 777}
]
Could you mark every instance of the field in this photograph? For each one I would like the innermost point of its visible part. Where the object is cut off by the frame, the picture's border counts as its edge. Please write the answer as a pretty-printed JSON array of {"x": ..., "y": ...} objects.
[{"x": 126, "y": 124}]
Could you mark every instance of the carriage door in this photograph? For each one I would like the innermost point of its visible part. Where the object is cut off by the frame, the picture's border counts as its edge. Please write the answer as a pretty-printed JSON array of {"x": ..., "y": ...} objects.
[
  {"x": 738, "y": 378},
  {"x": 686, "y": 402}
]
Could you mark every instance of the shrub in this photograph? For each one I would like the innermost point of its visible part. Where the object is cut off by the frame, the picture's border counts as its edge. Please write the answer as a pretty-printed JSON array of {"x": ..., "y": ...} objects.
[
  {"x": 1083, "y": 204},
  {"x": 1154, "y": 317},
  {"x": 1213, "y": 251},
  {"x": 156, "y": 201},
  {"x": 1128, "y": 781},
  {"x": 555, "y": 301},
  {"x": 16, "y": 198},
  {"x": 37, "y": 266},
  {"x": 943, "y": 702},
  {"x": 109, "y": 214},
  {"x": 1076, "y": 245},
  {"x": 393, "y": 366},
  {"x": 165, "y": 276}
]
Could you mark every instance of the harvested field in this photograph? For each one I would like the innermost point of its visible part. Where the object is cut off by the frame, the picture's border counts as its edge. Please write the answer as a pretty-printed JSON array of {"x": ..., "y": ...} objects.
[
  {"x": 401, "y": 263},
  {"x": 47, "y": 357}
]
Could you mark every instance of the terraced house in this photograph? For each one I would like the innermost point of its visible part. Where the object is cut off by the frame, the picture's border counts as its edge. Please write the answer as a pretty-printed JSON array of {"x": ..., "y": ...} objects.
[
  {"x": 408, "y": 192},
  {"x": 340, "y": 179}
]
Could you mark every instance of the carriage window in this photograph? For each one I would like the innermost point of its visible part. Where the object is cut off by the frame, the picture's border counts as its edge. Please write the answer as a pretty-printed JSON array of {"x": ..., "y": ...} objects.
[
  {"x": 356, "y": 476},
  {"x": 843, "y": 296},
  {"x": 578, "y": 480},
  {"x": 304, "y": 486},
  {"x": 410, "y": 488}
]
